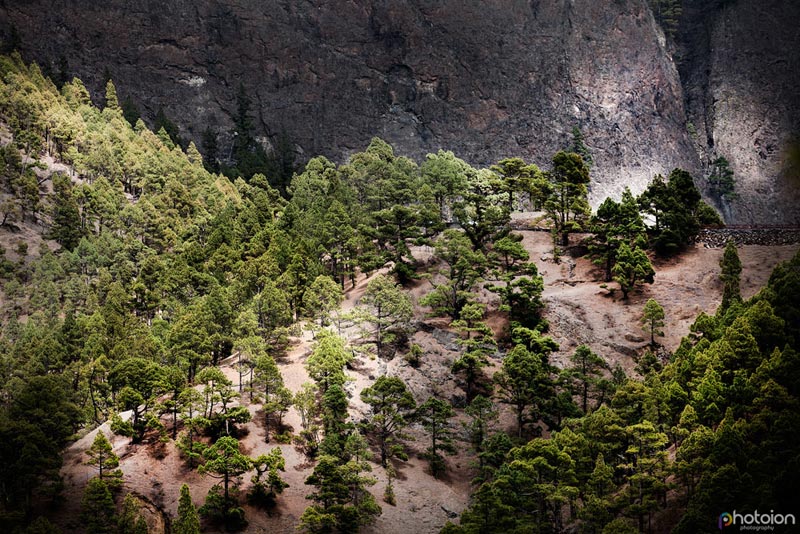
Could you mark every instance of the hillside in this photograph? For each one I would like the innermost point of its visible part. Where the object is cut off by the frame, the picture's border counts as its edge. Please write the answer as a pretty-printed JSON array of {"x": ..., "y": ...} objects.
[
  {"x": 399, "y": 342},
  {"x": 579, "y": 310}
]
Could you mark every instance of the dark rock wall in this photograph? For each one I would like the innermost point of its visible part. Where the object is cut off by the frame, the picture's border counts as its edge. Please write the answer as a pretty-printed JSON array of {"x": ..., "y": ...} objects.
[
  {"x": 485, "y": 79},
  {"x": 739, "y": 61}
]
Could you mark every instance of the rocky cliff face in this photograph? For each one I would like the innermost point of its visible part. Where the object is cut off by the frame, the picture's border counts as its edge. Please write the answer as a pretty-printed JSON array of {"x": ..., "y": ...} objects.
[
  {"x": 741, "y": 72},
  {"x": 485, "y": 79}
]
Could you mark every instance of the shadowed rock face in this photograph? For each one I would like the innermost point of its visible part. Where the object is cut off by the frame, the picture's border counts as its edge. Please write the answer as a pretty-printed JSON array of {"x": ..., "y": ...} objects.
[
  {"x": 741, "y": 72},
  {"x": 487, "y": 79}
]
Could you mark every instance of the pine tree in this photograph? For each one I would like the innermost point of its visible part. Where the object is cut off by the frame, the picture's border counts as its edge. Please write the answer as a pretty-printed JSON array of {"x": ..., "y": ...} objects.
[
  {"x": 388, "y": 308},
  {"x": 566, "y": 205},
  {"x": 66, "y": 228},
  {"x": 523, "y": 383},
  {"x": 210, "y": 150},
  {"x": 615, "y": 223},
  {"x": 721, "y": 181},
  {"x": 266, "y": 489},
  {"x": 130, "y": 520},
  {"x": 435, "y": 415},
  {"x": 97, "y": 513},
  {"x": 102, "y": 455},
  {"x": 730, "y": 273},
  {"x": 579, "y": 147},
  {"x": 224, "y": 461},
  {"x": 391, "y": 403},
  {"x": 586, "y": 370},
  {"x": 112, "y": 102},
  {"x": 187, "y": 521},
  {"x": 653, "y": 319},
  {"x": 633, "y": 268}
]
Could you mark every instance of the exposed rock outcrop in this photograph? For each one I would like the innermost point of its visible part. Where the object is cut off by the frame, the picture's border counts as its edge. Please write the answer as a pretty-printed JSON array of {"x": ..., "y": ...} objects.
[{"x": 741, "y": 73}]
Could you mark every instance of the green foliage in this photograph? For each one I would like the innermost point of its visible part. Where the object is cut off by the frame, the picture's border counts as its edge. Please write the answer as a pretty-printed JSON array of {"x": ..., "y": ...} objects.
[
  {"x": 391, "y": 403},
  {"x": 97, "y": 508},
  {"x": 388, "y": 309},
  {"x": 524, "y": 383},
  {"x": 730, "y": 273},
  {"x": 653, "y": 319},
  {"x": 528, "y": 493},
  {"x": 721, "y": 181},
  {"x": 463, "y": 267},
  {"x": 224, "y": 461},
  {"x": 102, "y": 455},
  {"x": 66, "y": 228},
  {"x": 579, "y": 147},
  {"x": 187, "y": 521},
  {"x": 171, "y": 133},
  {"x": 137, "y": 383},
  {"x": 435, "y": 415},
  {"x": 668, "y": 14},
  {"x": 615, "y": 223},
  {"x": 632, "y": 268},
  {"x": 276, "y": 398},
  {"x": 35, "y": 422},
  {"x": 447, "y": 176},
  {"x": 112, "y": 102},
  {"x": 164, "y": 270},
  {"x": 321, "y": 298},
  {"x": 565, "y": 197},
  {"x": 481, "y": 212},
  {"x": 483, "y": 415},
  {"x": 130, "y": 521},
  {"x": 326, "y": 363},
  {"x": 586, "y": 373},
  {"x": 266, "y": 489},
  {"x": 341, "y": 501},
  {"x": 677, "y": 212},
  {"x": 714, "y": 401},
  {"x": 514, "y": 176}
]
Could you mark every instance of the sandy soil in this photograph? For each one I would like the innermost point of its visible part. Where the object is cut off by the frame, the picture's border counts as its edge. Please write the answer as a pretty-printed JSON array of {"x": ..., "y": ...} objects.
[{"x": 579, "y": 311}]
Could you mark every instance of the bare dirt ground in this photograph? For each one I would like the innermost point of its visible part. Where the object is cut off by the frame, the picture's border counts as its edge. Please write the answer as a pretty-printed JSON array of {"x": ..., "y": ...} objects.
[{"x": 579, "y": 311}]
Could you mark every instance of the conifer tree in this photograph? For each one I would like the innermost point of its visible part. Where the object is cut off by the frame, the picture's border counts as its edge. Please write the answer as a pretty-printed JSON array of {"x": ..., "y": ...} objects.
[
  {"x": 266, "y": 489},
  {"x": 224, "y": 461},
  {"x": 653, "y": 319},
  {"x": 130, "y": 520},
  {"x": 615, "y": 223},
  {"x": 391, "y": 403},
  {"x": 566, "y": 205},
  {"x": 435, "y": 414},
  {"x": 523, "y": 383},
  {"x": 730, "y": 273},
  {"x": 97, "y": 513},
  {"x": 112, "y": 102},
  {"x": 579, "y": 147},
  {"x": 586, "y": 371},
  {"x": 66, "y": 228},
  {"x": 187, "y": 521},
  {"x": 387, "y": 308},
  {"x": 102, "y": 455},
  {"x": 721, "y": 181},
  {"x": 633, "y": 268}
]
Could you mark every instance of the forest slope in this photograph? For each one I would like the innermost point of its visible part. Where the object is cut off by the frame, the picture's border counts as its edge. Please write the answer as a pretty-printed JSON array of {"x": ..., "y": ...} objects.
[{"x": 158, "y": 290}]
